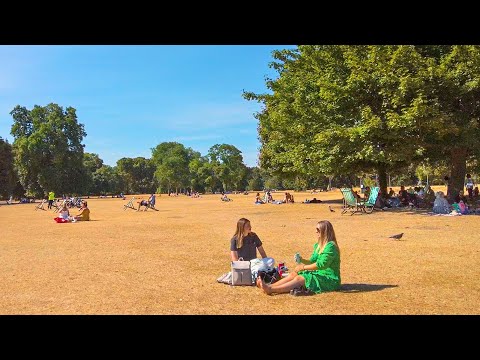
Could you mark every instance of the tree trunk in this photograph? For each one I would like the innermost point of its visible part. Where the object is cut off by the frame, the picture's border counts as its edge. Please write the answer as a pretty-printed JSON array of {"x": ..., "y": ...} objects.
[
  {"x": 382, "y": 179},
  {"x": 458, "y": 168}
]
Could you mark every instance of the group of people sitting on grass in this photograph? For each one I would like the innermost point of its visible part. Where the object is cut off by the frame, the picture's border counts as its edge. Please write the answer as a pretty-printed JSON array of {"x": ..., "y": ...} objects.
[
  {"x": 268, "y": 199},
  {"x": 317, "y": 274},
  {"x": 425, "y": 197},
  {"x": 462, "y": 204},
  {"x": 413, "y": 197},
  {"x": 64, "y": 214}
]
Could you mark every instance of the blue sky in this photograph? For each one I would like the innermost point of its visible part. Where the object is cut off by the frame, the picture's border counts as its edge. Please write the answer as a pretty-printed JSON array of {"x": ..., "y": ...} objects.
[{"x": 131, "y": 98}]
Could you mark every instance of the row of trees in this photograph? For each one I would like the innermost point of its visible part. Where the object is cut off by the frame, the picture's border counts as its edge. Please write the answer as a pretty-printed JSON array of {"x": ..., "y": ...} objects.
[
  {"x": 349, "y": 109},
  {"x": 174, "y": 167},
  {"x": 48, "y": 154}
]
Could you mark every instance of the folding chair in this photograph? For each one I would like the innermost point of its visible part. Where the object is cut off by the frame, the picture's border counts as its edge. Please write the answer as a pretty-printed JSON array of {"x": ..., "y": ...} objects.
[
  {"x": 40, "y": 206},
  {"x": 350, "y": 202},
  {"x": 58, "y": 207},
  {"x": 129, "y": 205},
  {"x": 372, "y": 199}
]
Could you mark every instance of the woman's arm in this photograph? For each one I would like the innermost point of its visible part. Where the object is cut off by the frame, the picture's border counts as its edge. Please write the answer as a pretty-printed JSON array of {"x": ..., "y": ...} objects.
[
  {"x": 325, "y": 258},
  {"x": 302, "y": 265},
  {"x": 305, "y": 261},
  {"x": 234, "y": 255},
  {"x": 262, "y": 252}
]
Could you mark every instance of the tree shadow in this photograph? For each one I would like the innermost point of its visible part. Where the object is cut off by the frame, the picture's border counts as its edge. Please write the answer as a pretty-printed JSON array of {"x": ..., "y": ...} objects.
[
  {"x": 331, "y": 201},
  {"x": 354, "y": 288},
  {"x": 406, "y": 210}
]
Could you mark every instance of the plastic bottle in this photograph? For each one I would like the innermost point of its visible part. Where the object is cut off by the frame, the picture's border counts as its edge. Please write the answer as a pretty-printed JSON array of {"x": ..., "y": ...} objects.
[{"x": 298, "y": 258}]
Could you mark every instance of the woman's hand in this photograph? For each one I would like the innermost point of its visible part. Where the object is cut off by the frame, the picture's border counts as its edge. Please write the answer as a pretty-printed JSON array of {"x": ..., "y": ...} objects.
[{"x": 300, "y": 267}]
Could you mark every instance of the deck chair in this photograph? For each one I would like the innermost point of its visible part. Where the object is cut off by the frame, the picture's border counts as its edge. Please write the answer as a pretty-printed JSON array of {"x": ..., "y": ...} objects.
[
  {"x": 350, "y": 202},
  {"x": 130, "y": 205},
  {"x": 56, "y": 208},
  {"x": 40, "y": 206},
  {"x": 372, "y": 199}
]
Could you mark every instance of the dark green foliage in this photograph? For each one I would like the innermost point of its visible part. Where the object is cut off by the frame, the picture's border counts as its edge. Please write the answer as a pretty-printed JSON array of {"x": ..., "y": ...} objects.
[
  {"x": 48, "y": 150},
  {"x": 355, "y": 109}
]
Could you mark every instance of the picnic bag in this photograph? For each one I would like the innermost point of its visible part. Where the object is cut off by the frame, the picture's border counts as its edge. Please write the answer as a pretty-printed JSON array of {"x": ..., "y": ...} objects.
[{"x": 241, "y": 273}]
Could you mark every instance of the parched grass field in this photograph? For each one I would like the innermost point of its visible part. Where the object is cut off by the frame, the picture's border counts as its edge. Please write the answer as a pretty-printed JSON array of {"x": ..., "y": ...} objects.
[{"x": 167, "y": 262}]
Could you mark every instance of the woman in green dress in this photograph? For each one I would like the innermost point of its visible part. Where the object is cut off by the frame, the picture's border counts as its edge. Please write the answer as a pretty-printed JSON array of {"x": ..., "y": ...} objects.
[{"x": 318, "y": 274}]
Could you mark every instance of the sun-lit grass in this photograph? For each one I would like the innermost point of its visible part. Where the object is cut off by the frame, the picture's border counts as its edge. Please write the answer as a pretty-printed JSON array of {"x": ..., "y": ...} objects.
[{"x": 167, "y": 262}]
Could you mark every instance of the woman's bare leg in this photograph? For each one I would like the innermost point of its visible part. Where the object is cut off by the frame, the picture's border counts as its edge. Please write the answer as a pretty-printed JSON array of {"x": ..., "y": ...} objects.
[
  {"x": 266, "y": 288},
  {"x": 282, "y": 288},
  {"x": 284, "y": 280},
  {"x": 290, "y": 277},
  {"x": 296, "y": 282}
]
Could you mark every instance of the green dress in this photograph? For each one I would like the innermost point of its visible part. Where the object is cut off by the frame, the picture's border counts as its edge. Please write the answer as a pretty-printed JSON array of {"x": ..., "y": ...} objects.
[{"x": 327, "y": 277}]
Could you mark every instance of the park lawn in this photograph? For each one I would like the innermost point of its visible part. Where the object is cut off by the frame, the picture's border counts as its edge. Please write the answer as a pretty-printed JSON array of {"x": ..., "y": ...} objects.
[{"x": 167, "y": 262}]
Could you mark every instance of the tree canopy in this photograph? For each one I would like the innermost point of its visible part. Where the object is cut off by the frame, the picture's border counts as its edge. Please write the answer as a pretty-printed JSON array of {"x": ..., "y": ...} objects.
[
  {"x": 7, "y": 179},
  {"x": 48, "y": 149},
  {"x": 341, "y": 109}
]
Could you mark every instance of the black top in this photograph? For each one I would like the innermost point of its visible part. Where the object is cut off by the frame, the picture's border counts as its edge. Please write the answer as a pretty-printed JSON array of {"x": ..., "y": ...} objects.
[{"x": 248, "y": 251}]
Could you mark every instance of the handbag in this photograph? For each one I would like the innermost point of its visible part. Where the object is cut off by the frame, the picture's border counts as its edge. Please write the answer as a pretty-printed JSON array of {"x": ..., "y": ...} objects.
[{"x": 241, "y": 273}]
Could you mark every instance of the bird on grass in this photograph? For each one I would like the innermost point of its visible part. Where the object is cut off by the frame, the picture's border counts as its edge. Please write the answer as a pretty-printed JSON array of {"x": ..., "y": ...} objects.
[
  {"x": 330, "y": 208},
  {"x": 396, "y": 237}
]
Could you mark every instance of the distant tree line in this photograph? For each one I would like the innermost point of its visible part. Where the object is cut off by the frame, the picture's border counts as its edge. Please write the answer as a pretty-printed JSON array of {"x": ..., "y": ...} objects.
[{"x": 47, "y": 154}]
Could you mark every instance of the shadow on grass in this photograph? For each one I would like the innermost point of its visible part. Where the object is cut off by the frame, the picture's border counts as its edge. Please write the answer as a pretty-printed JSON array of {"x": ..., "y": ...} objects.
[
  {"x": 404, "y": 210},
  {"x": 354, "y": 288},
  {"x": 334, "y": 201}
]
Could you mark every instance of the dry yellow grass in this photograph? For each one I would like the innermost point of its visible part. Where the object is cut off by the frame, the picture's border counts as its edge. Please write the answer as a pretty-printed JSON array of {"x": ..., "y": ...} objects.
[{"x": 167, "y": 262}]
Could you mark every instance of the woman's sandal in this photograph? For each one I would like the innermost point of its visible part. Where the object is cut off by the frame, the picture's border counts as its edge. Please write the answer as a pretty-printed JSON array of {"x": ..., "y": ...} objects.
[{"x": 301, "y": 291}]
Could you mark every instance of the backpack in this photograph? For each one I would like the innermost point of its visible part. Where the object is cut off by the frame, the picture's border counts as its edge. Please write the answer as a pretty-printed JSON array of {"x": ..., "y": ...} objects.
[{"x": 241, "y": 273}]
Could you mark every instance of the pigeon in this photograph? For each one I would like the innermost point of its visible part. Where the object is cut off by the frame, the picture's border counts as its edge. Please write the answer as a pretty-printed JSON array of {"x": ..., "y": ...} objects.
[
  {"x": 396, "y": 237},
  {"x": 330, "y": 208}
]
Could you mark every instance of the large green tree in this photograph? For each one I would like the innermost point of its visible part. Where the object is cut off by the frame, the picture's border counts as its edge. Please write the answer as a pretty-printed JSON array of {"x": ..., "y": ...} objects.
[
  {"x": 228, "y": 166},
  {"x": 342, "y": 109},
  {"x": 138, "y": 174},
  {"x": 255, "y": 180},
  {"x": 48, "y": 149},
  {"x": 7, "y": 176},
  {"x": 453, "y": 135},
  {"x": 107, "y": 180},
  {"x": 92, "y": 162},
  {"x": 172, "y": 165},
  {"x": 202, "y": 176}
]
